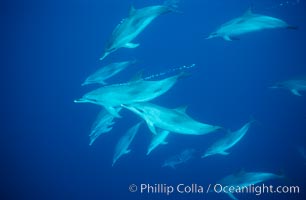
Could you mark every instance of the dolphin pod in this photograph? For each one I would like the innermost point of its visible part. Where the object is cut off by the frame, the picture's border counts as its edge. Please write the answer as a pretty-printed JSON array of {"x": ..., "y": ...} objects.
[{"x": 135, "y": 95}]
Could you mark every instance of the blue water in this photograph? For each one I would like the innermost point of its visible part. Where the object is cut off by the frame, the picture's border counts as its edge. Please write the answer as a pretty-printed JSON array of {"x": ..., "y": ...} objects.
[{"x": 50, "y": 47}]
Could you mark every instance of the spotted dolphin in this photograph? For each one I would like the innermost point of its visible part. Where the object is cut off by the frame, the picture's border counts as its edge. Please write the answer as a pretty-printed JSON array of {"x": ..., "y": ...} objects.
[
  {"x": 173, "y": 120},
  {"x": 244, "y": 179},
  {"x": 180, "y": 158},
  {"x": 295, "y": 86},
  {"x": 111, "y": 97},
  {"x": 247, "y": 23},
  {"x": 158, "y": 140},
  {"x": 107, "y": 72},
  {"x": 124, "y": 142},
  {"x": 232, "y": 138},
  {"x": 132, "y": 26}
]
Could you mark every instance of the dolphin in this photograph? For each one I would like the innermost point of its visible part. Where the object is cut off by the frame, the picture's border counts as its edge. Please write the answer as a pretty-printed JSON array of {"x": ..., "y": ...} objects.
[
  {"x": 113, "y": 96},
  {"x": 173, "y": 120},
  {"x": 130, "y": 27},
  {"x": 157, "y": 140},
  {"x": 245, "y": 179},
  {"x": 295, "y": 86},
  {"x": 223, "y": 144},
  {"x": 124, "y": 142},
  {"x": 106, "y": 72},
  {"x": 103, "y": 124},
  {"x": 183, "y": 157},
  {"x": 247, "y": 23}
]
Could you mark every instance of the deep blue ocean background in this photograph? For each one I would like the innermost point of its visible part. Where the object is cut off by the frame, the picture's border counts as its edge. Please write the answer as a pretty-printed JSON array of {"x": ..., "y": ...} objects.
[{"x": 50, "y": 47}]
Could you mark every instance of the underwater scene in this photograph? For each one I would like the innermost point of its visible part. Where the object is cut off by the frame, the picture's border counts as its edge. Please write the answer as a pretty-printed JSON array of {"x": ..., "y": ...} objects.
[{"x": 153, "y": 99}]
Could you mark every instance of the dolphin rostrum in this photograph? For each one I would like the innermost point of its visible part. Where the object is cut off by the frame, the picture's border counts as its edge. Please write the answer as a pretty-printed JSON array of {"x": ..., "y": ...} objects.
[
  {"x": 124, "y": 142},
  {"x": 173, "y": 120},
  {"x": 247, "y": 23},
  {"x": 221, "y": 146},
  {"x": 133, "y": 25}
]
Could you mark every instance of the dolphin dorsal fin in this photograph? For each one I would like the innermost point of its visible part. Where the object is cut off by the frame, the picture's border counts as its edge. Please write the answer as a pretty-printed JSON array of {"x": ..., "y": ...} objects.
[
  {"x": 248, "y": 12},
  {"x": 132, "y": 10},
  {"x": 241, "y": 172},
  {"x": 182, "y": 109},
  {"x": 137, "y": 77}
]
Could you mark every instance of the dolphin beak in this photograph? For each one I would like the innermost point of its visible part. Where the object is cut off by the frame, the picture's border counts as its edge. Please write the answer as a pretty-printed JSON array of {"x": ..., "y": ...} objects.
[
  {"x": 209, "y": 37},
  {"x": 104, "y": 55},
  {"x": 273, "y": 87},
  {"x": 81, "y": 100}
]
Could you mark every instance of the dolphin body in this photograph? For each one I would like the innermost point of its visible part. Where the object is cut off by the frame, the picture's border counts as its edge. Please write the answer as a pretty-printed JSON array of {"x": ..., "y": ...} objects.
[
  {"x": 132, "y": 26},
  {"x": 247, "y": 23},
  {"x": 295, "y": 86},
  {"x": 245, "y": 179},
  {"x": 106, "y": 72},
  {"x": 103, "y": 124},
  {"x": 124, "y": 143},
  {"x": 232, "y": 138},
  {"x": 183, "y": 157},
  {"x": 111, "y": 97},
  {"x": 158, "y": 140},
  {"x": 173, "y": 120}
]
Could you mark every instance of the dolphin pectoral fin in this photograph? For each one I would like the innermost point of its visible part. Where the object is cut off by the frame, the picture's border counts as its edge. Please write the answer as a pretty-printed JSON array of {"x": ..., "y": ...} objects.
[
  {"x": 127, "y": 151},
  {"x": 230, "y": 38},
  {"x": 164, "y": 142},
  {"x": 131, "y": 45},
  {"x": 231, "y": 195},
  {"x": 172, "y": 166},
  {"x": 224, "y": 153},
  {"x": 113, "y": 111},
  {"x": 151, "y": 127},
  {"x": 227, "y": 38},
  {"x": 295, "y": 92}
]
